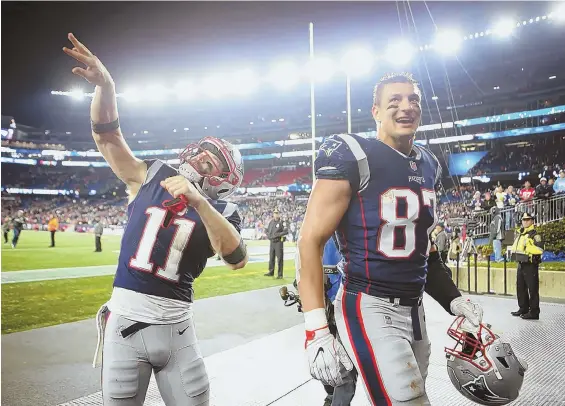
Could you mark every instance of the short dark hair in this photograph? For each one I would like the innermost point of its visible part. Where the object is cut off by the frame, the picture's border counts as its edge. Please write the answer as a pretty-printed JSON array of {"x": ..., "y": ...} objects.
[{"x": 402, "y": 77}]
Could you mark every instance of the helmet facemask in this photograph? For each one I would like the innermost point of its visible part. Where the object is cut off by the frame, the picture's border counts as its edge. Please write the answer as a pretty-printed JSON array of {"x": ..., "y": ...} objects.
[
  {"x": 471, "y": 347},
  {"x": 483, "y": 367}
]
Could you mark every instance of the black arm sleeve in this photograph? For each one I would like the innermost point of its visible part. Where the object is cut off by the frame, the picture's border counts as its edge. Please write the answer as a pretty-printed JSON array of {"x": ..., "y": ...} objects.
[{"x": 439, "y": 284}]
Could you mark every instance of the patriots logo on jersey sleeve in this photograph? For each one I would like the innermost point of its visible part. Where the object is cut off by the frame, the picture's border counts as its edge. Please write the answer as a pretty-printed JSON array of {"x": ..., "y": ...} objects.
[
  {"x": 478, "y": 388},
  {"x": 330, "y": 145}
]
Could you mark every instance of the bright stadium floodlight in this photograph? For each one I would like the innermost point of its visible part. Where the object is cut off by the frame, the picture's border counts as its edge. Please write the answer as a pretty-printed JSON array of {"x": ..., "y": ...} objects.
[
  {"x": 132, "y": 95},
  {"x": 215, "y": 86},
  {"x": 447, "y": 42},
  {"x": 244, "y": 82},
  {"x": 77, "y": 94},
  {"x": 184, "y": 90},
  {"x": 321, "y": 69},
  {"x": 155, "y": 93},
  {"x": 504, "y": 28},
  {"x": 357, "y": 62},
  {"x": 284, "y": 75},
  {"x": 558, "y": 13},
  {"x": 400, "y": 53}
]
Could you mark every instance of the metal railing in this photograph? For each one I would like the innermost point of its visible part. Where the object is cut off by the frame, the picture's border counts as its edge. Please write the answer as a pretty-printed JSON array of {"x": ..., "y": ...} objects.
[{"x": 545, "y": 211}]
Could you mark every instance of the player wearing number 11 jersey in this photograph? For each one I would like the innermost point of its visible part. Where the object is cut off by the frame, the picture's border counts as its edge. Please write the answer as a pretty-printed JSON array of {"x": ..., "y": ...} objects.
[
  {"x": 378, "y": 197},
  {"x": 176, "y": 221}
]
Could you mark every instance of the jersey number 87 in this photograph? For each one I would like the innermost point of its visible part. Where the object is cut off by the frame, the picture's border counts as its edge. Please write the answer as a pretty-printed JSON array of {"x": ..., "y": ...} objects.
[{"x": 391, "y": 221}]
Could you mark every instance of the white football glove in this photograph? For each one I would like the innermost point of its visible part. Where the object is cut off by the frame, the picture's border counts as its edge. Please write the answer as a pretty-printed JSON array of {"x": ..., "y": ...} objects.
[
  {"x": 326, "y": 355},
  {"x": 471, "y": 311}
]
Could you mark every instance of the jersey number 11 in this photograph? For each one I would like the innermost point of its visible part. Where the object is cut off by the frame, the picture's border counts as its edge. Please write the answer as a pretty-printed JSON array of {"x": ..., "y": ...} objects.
[{"x": 142, "y": 258}]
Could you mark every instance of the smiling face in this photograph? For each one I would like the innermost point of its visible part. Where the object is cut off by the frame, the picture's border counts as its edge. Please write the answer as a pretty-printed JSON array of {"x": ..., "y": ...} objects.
[{"x": 397, "y": 110}]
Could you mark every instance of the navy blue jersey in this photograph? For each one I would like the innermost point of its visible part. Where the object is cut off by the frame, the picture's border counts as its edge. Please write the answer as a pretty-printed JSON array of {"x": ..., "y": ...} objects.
[
  {"x": 383, "y": 236},
  {"x": 161, "y": 261}
]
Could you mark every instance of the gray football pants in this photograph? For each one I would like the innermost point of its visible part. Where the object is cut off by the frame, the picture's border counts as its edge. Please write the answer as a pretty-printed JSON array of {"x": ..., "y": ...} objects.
[
  {"x": 175, "y": 359},
  {"x": 389, "y": 346}
]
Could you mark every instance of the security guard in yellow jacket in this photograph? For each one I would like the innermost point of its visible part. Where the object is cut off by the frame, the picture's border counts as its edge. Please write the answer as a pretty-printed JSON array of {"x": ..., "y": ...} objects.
[{"x": 526, "y": 251}]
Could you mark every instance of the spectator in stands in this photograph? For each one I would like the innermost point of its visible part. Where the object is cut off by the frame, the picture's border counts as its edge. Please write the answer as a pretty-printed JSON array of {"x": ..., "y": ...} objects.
[
  {"x": 511, "y": 201},
  {"x": 500, "y": 197},
  {"x": 527, "y": 193},
  {"x": 496, "y": 234},
  {"x": 442, "y": 242},
  {"x": 544, "y": 192},
  {"x": 546, "y": 173},
  {"x": 98, "y": 230},
  {"x": 488, "y": 203},
  {"x": 476, "y": 203},
  {"x": 559, "y": 186},
  {"x": 52, "y": 227},
  {"x": 455, "y": 246}
]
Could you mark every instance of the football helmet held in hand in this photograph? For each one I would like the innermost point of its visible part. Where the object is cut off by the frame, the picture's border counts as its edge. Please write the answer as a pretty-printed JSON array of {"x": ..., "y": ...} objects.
[{"x": 482, "y": 367}]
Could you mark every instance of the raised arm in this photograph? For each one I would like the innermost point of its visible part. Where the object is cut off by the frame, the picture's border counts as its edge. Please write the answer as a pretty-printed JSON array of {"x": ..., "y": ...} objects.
[{"x": 104, "y": 116}]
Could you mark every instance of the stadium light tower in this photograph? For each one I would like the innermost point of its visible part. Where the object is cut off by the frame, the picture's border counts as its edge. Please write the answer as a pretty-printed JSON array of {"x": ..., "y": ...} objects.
[
  {"x": 312, "y": 101},
  {"x": 356, "y": 62}
]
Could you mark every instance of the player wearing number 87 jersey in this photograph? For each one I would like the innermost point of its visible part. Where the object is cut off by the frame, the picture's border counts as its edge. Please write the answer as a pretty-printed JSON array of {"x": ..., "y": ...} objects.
[
  {"x": 378, "y": 197},
  {"x": 176, "y": 221}
]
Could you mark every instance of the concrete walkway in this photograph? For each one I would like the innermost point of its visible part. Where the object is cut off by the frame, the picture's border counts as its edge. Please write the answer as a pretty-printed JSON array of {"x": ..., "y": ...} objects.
[{"x": 253, "y": 348}]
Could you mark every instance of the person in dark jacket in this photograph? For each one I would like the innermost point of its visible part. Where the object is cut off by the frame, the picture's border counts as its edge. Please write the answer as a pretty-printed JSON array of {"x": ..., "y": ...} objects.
[
  {"x": 18, "y": 223},
  {"x": 98, "y": 230},
  {"x": 544, "y": 192},
  {"x": 6, "y": 228},
  {"x": 276, "y": 233},
  {"x": 442, "y": 242}
]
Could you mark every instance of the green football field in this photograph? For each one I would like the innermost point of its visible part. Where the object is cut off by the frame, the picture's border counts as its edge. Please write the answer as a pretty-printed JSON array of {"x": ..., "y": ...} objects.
[{"x": 31, "y": 305}]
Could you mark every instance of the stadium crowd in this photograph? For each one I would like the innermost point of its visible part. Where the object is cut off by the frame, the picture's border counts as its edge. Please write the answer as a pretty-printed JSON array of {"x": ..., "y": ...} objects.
[
  {"x": 457, "y": 202},
  {"x": 95, "y": 194}
]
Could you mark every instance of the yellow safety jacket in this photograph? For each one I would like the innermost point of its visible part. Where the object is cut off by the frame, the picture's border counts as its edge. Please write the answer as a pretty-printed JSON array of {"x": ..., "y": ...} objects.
[{"x": 528, "y": 246}]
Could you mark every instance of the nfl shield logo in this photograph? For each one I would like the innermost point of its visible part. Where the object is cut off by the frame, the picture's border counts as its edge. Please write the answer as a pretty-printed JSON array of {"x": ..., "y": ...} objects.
[{"x": 413, "y": 166}]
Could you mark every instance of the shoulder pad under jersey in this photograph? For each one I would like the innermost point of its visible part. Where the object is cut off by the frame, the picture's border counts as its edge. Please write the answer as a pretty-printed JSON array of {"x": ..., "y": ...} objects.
[{"x": 344, "y": 156}]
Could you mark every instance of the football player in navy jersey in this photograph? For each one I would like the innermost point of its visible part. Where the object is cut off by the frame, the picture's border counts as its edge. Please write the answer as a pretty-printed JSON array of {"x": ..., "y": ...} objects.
[
  {"x": 378, "y": 197},
  {"x": 176, "y": 221}
]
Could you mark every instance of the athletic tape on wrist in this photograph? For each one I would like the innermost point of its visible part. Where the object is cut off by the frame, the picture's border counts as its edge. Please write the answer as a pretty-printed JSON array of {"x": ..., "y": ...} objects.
[{"x": 315, "y": 319}]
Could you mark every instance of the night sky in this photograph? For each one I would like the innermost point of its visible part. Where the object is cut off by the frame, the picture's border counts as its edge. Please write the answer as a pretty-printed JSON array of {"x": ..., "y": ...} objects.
[{"x": 141, "y": 41}]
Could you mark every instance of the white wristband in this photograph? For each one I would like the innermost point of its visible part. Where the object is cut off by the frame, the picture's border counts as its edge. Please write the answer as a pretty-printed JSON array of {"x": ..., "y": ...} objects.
[{"x": 315, "y": 319}]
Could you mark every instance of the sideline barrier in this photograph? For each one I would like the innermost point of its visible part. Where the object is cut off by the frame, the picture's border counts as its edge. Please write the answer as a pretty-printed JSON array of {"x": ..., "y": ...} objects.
[{"x": 475, "y": 279}]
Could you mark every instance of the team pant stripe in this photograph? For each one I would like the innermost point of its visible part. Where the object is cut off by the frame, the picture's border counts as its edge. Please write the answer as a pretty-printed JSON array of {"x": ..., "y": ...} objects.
[{"x": 363, "y": 350}]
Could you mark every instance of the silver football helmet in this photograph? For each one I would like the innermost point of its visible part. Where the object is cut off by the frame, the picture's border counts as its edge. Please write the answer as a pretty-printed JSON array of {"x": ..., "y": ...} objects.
[
  {"x": 197, "y": 164},
  {"x": 482, "y": 367}
]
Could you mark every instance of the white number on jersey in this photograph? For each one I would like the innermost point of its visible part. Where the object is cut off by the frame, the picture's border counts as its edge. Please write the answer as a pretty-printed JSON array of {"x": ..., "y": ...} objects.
[
  {"x": 390, "y": 221},
  {"x": 142, "y": 258}
]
